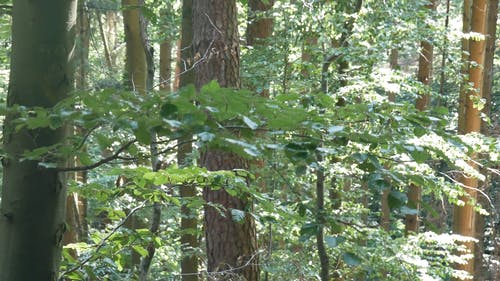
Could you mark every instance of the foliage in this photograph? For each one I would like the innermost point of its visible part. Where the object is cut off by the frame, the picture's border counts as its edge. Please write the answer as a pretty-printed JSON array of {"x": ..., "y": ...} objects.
[{"x": 368, "y": 145}]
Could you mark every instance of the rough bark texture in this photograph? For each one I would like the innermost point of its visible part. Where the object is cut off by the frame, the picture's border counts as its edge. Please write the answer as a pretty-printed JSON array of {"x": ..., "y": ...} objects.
[
  {"x": 33, "y": 198},
  {"x": 230, "y": 245},
  {"x": 464, "y": 216},
  {"x": 424, "y": 75},
  {"x": 189, "y": 222}
]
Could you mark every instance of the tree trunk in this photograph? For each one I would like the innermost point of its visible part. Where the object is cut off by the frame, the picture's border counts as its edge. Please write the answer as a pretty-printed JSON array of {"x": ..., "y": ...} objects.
[
  {"x": 189, "y": 221},
  {"x": 481, "y": 268},
  {"x": 466, "y": 28},
  {"x": 260, "y": 25},
  {"x": 76, "y": 206},
  {"x": 135, "y": 76},
  {"x": 231, "y": 246},
  {"x": 260, "y": 28},
  {"x": 165, "y": 67},
  {"x": 135, "y": 55},
  {"x": 424, "y": 75},
  {"x": 464, "y": 216},
  {"x": 33, "y": 198}
]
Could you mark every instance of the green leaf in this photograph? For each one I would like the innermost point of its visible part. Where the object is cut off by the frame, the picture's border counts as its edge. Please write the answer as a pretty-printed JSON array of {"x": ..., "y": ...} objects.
[
  {"x": 251, "y": 124},
  {"x": 142, "y": 133},
  {"x": 396, "y": 199},
  {"x": 335, "y": 129},
  {"x": 419, "y": 155},
  {"x": 307, "y": 231},
  {"x": 140, "y": 250},
  {"x": 351, "y": 259},
  {"x": 168, "y": 110},
  {"x": 334, "y": 241},
  {"x": 238, "y": 215}
]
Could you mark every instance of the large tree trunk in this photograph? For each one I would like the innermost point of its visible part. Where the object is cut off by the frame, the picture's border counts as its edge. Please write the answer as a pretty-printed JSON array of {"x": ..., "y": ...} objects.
[
  {"x": 33, "y": 198},
  {"x": 189, "y": 221},
  {"x": 482, "y": 268},
  {"x": 464, "y": 216},
  {"x": 230, "y": 245},
  {"x": 424, "y": 75}
]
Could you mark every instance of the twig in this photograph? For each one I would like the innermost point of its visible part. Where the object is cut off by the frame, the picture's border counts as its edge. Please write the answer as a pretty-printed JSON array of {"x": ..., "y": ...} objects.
[
  {"x": 470, "y": 188},
  {"x": 101, "y": 244},
  {"x": 98, "y": 163}
]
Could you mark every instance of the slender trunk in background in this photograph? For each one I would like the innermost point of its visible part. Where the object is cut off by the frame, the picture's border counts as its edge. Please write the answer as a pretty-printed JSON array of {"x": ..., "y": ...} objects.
[
  {"x": 136, "y": 72},
  {"x": 464, "y": 216},
  {"x": 259, "y": 30},
  {"x": 385, "y": 210},
  {"x": 229, "y": 244},
  {"x": 424, "y": 76},
  {"x": 76, "y": 206},
  {"x": 33, "y": 197},
  {"x": 165, "y": 65},
  {"x": 464, "y": 71},
  {"x": 135, "y": 76},
  {"x": 445, "y": 52},
  {"x": 481, "y": 267},
  {"x": 189, "y": 221},
  {"x": 105, "y": 42}
]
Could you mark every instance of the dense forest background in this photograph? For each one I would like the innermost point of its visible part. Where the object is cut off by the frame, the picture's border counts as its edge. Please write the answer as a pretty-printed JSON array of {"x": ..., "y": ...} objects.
[{"x": 250, "y": 140}]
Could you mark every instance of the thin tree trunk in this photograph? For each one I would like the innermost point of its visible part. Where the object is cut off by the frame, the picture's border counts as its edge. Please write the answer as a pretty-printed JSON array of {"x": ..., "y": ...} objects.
[
  {"x": 136, "y": 74},
  {"x": 135, "y": 54},
  {"x": 231, "y": 246},
  {"x": 464, "y": 216},
  {"x": 165, "y": 66},
  {"x": 464, "y": 71},
  {"x": 33, "y": 197},
  {"x": 76, "y": 206},
  {"x": 445, "y": 53},
  {"x": 259, "y": 30},
  {"x": 260, "y": 27},
  {"x": 424, "y": 75},
  {"x": 189, "y": 221},
  {"x": 105, "y": 44}
]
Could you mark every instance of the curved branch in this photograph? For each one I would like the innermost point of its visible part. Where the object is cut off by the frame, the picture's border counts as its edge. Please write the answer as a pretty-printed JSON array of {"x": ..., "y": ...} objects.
[
  {"x": 102, "y": 243},
  {"x": 98, "y": 163}
]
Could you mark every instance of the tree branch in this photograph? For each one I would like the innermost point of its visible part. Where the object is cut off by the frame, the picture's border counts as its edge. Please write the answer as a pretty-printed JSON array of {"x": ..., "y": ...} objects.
[{"x": 100, "y": 162}]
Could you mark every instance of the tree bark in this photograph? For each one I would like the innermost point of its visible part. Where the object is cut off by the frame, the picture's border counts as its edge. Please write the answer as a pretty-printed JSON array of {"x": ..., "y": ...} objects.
[
  {"x": 464, "y": 216},
  {"x": 231, "y": 246},
  {"x": 136, "y": 73},
  {"x": 76, "y": 206},
  {"x": 481, "y": 268},
  {"x": 424, "y": 75},
  {"x": 466, "y": 28},
  {"x": 33, "y": 198},
  {"x": 189, "y": 221},
  {"x": 260, "y": 25}
]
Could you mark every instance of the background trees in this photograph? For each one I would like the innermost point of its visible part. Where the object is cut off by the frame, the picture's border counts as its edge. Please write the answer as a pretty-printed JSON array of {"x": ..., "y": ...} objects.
[{"x": 303, "y": 163}]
